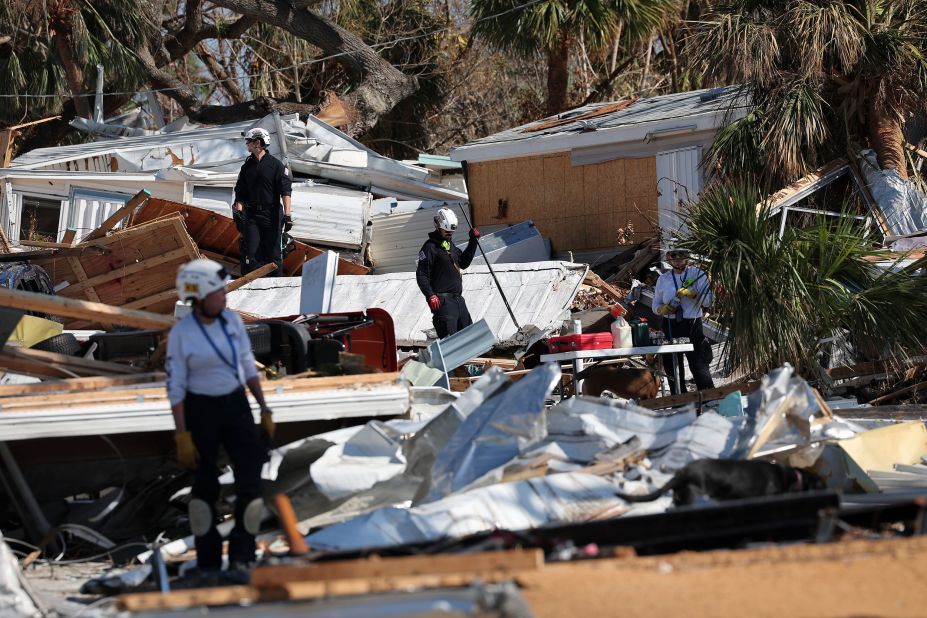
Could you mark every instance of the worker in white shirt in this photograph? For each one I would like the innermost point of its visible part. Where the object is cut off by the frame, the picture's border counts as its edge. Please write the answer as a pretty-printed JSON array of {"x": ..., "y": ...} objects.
[
  {"x": 209, "y": 361},
  {"x": 680, "y": 295}
]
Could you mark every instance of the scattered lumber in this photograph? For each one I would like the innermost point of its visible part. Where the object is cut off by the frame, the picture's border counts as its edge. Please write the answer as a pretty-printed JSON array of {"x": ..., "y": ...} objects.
[
  {"x": 805, "y": 185},
  {"x": 643, "y": 257},
  {"x": 39, "y": 255},
  {"x": 138, "y": 272},
  {"x": 82, "y": 310},
  {"x": 79, "y": 385},
  {"x": 609, "y": 290},
  {"x": 51, "y": 364},
  {"x": 711, "y": 394},
  {"x": 901, "y": 392},
  {"x": 217, "y": 237}
]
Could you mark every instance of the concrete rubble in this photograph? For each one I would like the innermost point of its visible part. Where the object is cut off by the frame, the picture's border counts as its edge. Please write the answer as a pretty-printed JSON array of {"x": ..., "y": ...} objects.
[{"x": 458, "y": 464}]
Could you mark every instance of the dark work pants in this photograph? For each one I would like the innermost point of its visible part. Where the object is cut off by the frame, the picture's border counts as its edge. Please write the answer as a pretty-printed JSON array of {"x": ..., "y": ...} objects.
[
  {"x": 263, "y": 239},
  {"x": 225, "y": 421},
  {"x": 699, "y": 358},
  {"x": 451, "y": 316}
]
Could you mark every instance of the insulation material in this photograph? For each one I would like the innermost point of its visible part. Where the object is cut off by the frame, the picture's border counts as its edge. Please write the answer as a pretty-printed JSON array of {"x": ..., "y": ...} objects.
[{"x": 14, "y": 599}]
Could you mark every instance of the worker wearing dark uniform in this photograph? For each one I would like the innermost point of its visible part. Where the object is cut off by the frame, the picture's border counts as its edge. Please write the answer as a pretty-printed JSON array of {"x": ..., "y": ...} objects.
[
  {"x": 209, "y": 364},
  {"x": 438, "y": 274},
  {"x": 263, "y": 183}
]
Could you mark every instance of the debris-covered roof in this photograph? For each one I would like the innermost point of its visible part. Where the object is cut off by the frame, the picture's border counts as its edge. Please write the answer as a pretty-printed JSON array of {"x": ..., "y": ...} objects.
[
  {"x": 588, "y": 125},
  {"x": 540, "y": 294}
]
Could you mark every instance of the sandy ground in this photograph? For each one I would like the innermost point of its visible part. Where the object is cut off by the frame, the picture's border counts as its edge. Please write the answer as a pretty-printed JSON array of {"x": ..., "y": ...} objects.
[{"x": 856, "y": 578}]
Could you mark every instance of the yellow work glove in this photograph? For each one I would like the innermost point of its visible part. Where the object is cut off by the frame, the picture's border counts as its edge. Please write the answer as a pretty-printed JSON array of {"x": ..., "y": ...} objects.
[
  {"x": 267, "y": 426},
  {"x": 665, "y": 310},
  {"x": 186, "y": 451},
  {"x": 686, "y": 293}
]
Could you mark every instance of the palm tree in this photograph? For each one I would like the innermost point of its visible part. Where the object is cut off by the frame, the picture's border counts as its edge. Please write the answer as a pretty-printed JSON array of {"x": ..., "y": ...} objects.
[
  {"x": 824, "y": 76},
  {"x": 781, "y": 297},
  {"x": 554, "y": 27},
  {"x": 54, "y": 52}
]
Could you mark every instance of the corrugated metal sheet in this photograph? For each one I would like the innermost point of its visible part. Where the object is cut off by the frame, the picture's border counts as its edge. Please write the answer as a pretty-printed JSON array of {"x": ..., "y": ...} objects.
[
  {"x": 679, "y": 179},
  {"x": 539, "y": 293},
  {"x": 330, "y": 216},
  {"x": 396, "y": 238}
]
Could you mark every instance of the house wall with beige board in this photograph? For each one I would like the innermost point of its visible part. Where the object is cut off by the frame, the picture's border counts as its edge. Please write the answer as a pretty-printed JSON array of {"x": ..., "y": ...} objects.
[{"x": 577, "y": 207}]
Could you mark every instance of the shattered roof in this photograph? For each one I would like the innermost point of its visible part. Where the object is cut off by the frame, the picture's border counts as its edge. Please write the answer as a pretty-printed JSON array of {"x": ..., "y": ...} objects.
[
  {"x": 540, "y": 295},
  {"x": 606, "y": 117}
]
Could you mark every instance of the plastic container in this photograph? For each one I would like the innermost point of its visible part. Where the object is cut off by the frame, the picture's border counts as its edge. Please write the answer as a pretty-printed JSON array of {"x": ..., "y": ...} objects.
[
  {"x": 571, "y": 343},
  {"x": 621, "y": 333},
  {"x": 640, "y": 333}
]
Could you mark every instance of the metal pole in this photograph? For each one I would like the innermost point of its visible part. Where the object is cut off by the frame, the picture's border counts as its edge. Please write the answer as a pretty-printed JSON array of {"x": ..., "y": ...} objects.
[{"x": 463, "y": 165}]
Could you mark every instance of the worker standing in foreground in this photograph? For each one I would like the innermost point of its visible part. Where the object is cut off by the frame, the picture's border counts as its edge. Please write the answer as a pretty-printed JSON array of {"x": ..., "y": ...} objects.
[
  {"x": 209, "y": 360},
  {"x": 263, "y": 183},
  {"x": 679, "y": 296},
  {"x": 438, "y": 274}
]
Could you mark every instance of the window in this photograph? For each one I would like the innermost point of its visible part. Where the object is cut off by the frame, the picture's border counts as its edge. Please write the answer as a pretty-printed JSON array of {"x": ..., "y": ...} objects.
[{"x": 39, "y": 219}]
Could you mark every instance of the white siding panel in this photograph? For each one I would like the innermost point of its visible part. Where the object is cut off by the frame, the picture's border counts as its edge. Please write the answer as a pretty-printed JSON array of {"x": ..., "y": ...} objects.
[
  {"x": 330, "y": 216},
  {"x": 679, "y": 179},
  {"x": 396, "y": 238}
]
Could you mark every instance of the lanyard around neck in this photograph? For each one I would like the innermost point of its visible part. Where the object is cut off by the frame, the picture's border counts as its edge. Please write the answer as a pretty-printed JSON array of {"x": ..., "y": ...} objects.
[{"x": 233, "y": 363}]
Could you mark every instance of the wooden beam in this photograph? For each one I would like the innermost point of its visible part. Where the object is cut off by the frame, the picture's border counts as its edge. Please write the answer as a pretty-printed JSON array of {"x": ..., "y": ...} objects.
[
  {"x": 101, "y": 367},
  {"x": 77, "y": 385},
  {"x": 68, "y": 238},
  {"x": 113, "y": 220},
  {"x": 915, "y": 150},
  {"x": 440, "y": 564},
  {"x": 711, "y": 394},
  {"x": 78, "y": 269},
  {"x": 131, "y": 269},
  {"x": 24, "y": 256},
  {"x": 154, "y": 299},
  {"x": 254, "y": 274},
  {"x": 597, "y": 282},
  {"x": 197, "y": 597},
  {"x": 82, "y": 310},
  {"x": 6, "y": 146}
]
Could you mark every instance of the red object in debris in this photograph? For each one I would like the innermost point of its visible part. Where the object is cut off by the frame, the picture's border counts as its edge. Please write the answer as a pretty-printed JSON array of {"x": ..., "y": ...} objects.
[{"x": 571, "y": 343}]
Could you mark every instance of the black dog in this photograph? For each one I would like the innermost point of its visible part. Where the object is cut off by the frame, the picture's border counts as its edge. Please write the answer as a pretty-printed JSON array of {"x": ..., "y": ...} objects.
[{"x": 730, "y": 479}]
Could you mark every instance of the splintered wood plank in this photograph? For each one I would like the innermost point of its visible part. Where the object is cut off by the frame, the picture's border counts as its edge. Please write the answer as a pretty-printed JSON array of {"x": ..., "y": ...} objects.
[
  {"x": 82, "y": 310},
  {"x": 446, "y": 564},
  {"x": 131, "y": 269},
  {"x": 82, "y": 278},
  {"x": 78, "y": 385},
  {"x": 197, "y": 597}
]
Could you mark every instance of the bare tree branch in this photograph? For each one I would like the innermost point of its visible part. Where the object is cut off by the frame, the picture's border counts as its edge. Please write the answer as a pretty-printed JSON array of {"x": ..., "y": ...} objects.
[
  {"x": 380, "y": 86},
  {"x": 226, "y": 82}
]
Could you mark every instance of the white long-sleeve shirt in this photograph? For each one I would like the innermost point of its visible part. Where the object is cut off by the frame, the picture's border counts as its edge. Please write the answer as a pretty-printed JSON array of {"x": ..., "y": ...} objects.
[
  {"x": 671, "y": 281},
  {"x": 195, "y": 366}
]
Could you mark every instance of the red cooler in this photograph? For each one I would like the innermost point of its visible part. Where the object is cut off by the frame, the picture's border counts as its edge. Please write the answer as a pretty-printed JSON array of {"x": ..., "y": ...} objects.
[{"x": 572, "y": 343}]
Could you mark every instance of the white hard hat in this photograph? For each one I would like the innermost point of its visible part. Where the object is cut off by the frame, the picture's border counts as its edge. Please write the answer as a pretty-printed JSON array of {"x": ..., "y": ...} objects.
[
  {"x": 446, "y": 220},
  {"x": 675, "y": 249},
  {"x": 258, "y": 133},
  {"x": 199, "y": 278}
]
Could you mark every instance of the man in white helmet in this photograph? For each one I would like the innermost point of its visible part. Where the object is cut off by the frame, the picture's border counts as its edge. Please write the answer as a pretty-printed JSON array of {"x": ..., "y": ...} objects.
[
  {"x": 680, "y": 295},
  {"x": 263, "y": 184},
  {"x": 209, "y": 362},
  {"x": 438, "y": 274}
]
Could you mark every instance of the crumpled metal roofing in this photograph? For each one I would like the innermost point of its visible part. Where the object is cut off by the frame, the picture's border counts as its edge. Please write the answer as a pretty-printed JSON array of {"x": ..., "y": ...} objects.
[{"x": 540, "y": 294}]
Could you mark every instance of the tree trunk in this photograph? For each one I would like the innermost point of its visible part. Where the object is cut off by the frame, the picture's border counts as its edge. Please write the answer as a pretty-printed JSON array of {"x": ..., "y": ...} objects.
[
  {"x": 72, "y": 73},
  {"x": 886, "y": 138},
  {"x": 558, "y": 74},
  {"x": 380, "y": 86}
]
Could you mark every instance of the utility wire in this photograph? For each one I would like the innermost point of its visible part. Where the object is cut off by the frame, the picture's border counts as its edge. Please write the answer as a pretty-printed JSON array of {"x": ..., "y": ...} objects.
[{"x": 276, "y": 69}]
